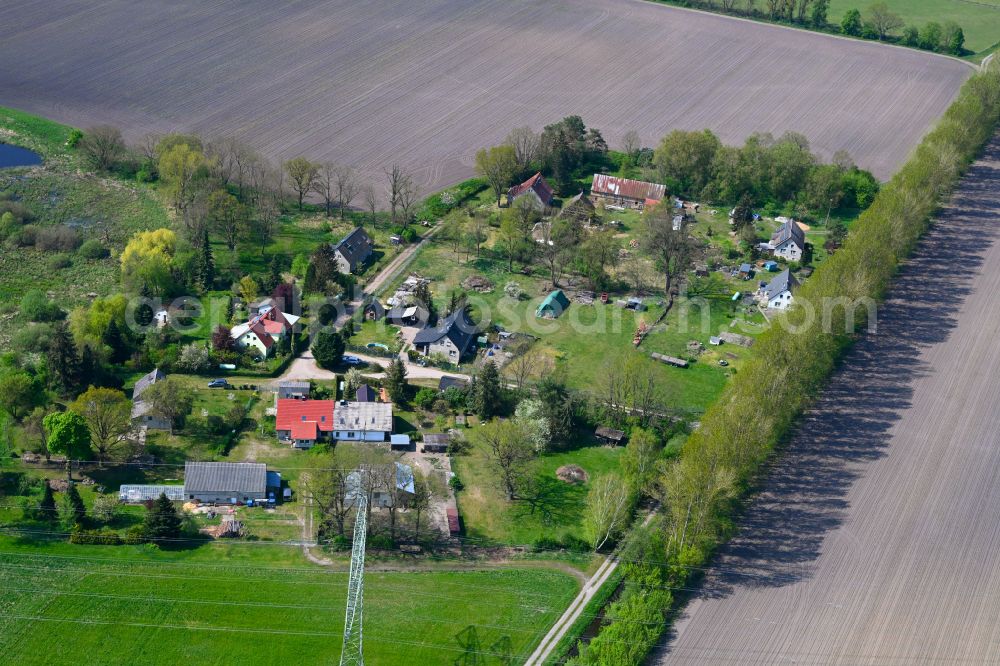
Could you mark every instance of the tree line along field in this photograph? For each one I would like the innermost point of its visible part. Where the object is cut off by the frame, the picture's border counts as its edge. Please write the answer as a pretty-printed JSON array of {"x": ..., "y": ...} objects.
[
  {"x": 980, "y": 19},
  {"x": 425, "y": 84},
  {"x": 252, "y": 604}
]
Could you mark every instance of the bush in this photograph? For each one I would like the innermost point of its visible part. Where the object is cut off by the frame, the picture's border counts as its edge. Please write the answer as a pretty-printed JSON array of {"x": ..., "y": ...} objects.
[
  {"x": 102, "y": 537},
  {"x": 58, "y": 262},
  {"x": 74, "y": 138},
  {"x": 340, "y": 542},
  {"x": 93, "y": 249},
  {"x": 425, "y": 398},
  {"x": 381, "y": 542},
  {"x": 456, "y": 483},
  {"x": 134, "y": 536},
  {"x": 23, "y": 237},
  {"x": 105, "y": 508},
  {"x": 59, "y": 238},
  {"x": 36, "y": 306}
]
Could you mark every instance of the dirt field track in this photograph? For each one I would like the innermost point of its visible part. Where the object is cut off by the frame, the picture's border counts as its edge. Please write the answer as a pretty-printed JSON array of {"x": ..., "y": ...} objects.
[
  {"x": 426, "y": 83},
  {"x": 878, "y": 539}
]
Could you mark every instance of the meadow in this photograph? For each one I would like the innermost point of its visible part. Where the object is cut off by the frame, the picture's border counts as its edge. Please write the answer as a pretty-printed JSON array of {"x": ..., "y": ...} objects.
[
  {"x": 251, "y": 604},
  {"x": 426, "y": 84}
]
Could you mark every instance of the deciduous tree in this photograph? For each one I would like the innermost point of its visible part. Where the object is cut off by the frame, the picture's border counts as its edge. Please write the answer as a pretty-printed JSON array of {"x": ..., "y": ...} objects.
[
  {"x": 108, "y": 414},
  {"x": 883, "y": 20},
  {"x": 510, "y": 454},
  {"x": 102, "y": 146},
  {"x": 68, "y": 435},
  {"x": 302, "y": 176},
  {"x": 609, "y": 507},
  {"x": 497, "y": 165},
  {"x": 169, "y": 400}
]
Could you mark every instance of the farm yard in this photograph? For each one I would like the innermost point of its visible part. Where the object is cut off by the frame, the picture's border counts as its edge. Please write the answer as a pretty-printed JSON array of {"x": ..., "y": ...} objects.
[
  {"x": 425, "y": 84},
  {"x": 219, "y": 605}
]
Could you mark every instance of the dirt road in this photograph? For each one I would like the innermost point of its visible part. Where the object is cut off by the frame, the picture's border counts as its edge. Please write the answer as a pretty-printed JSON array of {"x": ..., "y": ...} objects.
[{"x": 877, "y": 540}]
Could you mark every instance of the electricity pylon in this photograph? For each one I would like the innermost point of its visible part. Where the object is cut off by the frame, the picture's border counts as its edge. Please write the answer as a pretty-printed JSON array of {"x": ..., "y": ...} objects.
[{"x": 352, "y": 653}]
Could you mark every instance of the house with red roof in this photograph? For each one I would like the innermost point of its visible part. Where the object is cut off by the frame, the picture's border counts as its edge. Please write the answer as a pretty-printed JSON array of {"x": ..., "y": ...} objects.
[
  {"x": 303, "y": 423},
  {"x": 264, "y": 330},
  {"x": 536, "y": 189}
]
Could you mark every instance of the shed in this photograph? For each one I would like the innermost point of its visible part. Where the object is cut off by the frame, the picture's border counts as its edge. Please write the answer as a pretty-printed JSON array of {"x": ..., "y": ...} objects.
[
  {"x": 553, "y": 305},
  {"x": 436, "y": 443},
  {"x": 670, "y": 360},
  {"x": 771, "y": 266},
  {"x": 609, "y": 435},
  {"x": 293, "y": 389},
  {"x": 133, "y": 494},
  {"x": 400, "y": 442}
]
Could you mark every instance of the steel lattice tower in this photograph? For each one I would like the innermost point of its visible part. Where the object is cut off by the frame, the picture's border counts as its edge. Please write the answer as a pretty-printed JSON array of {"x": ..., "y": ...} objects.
[{"x": 352, "y": 653}]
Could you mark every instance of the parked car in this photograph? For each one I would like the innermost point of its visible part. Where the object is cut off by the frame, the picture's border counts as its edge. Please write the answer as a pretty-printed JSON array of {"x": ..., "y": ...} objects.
[
  {"x": 352, "y": 360},
  {"x": 218, "y": 383}
]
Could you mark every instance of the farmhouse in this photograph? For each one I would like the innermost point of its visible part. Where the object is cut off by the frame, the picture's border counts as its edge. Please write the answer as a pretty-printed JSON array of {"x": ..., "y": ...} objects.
[
  {"x": 264, "y": 330},
  {"x": 451, "y": 338},
  {"x": 789, "y": 241},
  {"x": 225, "y": 483},
  {"x": 362, "y": 421},
  {"x": 777, "y": 295},
  {"x": 293, "y": 389},
  {"x": 626, "y": 192},
  {"x": 141, "y": 415},
  {"x": 535, "y": 189},
  {"x": 303, "y": 423},
  {"x": 553, "y": 305},
  {"x": 353, "y": 251}
]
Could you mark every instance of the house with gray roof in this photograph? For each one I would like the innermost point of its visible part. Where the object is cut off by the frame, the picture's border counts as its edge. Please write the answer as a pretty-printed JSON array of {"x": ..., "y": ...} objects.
[
  {"x": 141, "y": 410},
  {"x": 225, "y": 483},
  {"x": 789, "y": 241},
  {"x": 777, "y": 294},
  {"x": 353, "y": 251},
  {"x": 374, "y": 481},
  {"x": 362, "y": 421},
  {"x": 451, "y": 338}
]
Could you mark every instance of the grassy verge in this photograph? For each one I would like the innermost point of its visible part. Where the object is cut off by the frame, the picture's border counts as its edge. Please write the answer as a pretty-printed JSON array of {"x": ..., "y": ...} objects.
[
  {"x": 720, "y": 462},
  {"x": 590, "y": 612}
]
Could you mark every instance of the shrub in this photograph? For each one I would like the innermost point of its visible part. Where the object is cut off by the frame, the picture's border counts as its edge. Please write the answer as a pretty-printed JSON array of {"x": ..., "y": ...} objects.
[
  {"x": 58, "y": 262},
  {"x": 105, "y": 508},
  {"x": 93, "y": 249},
  {"x": 381, "y": 542},
  {"x": 340, "y": 542},
  {"x": 36, "y": 306},
  {"x": 74, "y": 138},
  {"x": 23, "y": 237},
  {"x": 425, "y": 398},
  {"x": 456, "y": 483},
  {"x": 59, "y": 238},
  {"x": 102, "y": 537}
]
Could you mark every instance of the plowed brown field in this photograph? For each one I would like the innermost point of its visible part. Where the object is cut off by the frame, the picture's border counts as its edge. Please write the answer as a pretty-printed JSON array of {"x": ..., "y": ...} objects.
[{"x": 426, "y": 83}]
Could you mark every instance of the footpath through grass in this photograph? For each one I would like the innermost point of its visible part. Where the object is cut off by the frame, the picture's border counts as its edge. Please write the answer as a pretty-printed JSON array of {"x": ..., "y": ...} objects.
[{"x": 246, "y": 604}]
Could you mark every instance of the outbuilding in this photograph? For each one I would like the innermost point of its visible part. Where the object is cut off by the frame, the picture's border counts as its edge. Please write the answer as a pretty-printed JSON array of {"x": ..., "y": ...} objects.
[
  {"x": 225, "y": 483},
  {"x": 436, "y": 443},
  {"x": 553, "y": 305}
]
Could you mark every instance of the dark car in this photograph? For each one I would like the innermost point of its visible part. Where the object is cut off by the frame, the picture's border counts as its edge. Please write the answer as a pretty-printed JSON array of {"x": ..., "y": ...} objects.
[
  {"x": 352, "y": 360},
  {"x": 218, "y": 383}
]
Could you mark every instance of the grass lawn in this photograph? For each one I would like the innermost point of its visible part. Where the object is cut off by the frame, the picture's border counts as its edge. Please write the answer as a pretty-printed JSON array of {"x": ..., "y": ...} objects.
[
  {"x": 377, "y": 332},
  {"x": 223, "y": 604},
  {"x": 555, "y": 512},
  {"x": 980, "y": 20}
]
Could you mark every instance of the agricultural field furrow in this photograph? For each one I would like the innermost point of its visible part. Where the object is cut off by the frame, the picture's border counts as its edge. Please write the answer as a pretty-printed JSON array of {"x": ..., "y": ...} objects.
[{"x": 425, "y": 84}]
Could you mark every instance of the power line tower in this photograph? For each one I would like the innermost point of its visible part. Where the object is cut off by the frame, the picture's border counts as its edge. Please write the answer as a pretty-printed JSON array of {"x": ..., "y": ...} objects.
[{"x": 352, "y": 653}]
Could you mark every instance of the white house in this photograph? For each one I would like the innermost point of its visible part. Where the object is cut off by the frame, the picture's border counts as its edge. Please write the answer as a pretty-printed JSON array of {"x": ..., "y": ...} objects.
[
  {"x": 789, "y": 241},
  {"x": 141, "y": 415},
  {"x": 777, "y": 295},
  {"x": 263, "y": 330},
  {"x": 362, "y": 421}
]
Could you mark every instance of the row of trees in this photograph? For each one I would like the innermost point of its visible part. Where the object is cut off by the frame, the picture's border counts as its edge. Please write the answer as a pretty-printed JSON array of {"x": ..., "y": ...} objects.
[
  {"x": 877, "y": 21},
  {"x": 739, "y": 432}
]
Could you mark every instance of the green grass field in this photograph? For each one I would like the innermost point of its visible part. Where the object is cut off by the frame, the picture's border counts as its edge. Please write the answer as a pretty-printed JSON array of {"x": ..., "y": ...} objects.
[
  {"x": 980, "y": 19},
  {"x": 252, "y": 605},
  {"x": 557, "y": 510}
]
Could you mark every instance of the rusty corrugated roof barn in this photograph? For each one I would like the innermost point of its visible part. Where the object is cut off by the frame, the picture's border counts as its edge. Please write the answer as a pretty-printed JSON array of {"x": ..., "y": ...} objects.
[{"x": 626, "y": 188}]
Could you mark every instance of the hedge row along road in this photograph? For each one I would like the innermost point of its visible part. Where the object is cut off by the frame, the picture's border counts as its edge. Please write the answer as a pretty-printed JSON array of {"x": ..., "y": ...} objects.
[
  {"x": 427, "y": 83},
  {"x": 875, "y": 540}
]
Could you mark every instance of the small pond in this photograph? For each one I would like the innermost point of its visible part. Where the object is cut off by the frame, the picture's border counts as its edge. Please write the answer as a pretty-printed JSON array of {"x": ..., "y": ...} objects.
[{"x": 16, "y": 156}]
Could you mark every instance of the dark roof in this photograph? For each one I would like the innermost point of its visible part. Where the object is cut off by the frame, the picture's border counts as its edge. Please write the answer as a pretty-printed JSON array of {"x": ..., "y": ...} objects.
[
  {"x": 446, "y": 382},
  {"x": 365, "y": 393},
  {"x": 437, "y": 439},
  {"x": 580, "y": 201},
  {"x": 626, "y": 188},
  {"x": 221, "y": 477},
  {"x": 783, "y": 281},
  {"x": 375, "y": 306},
  {"x": 355, "y": 246},
  {"x": 605, "y": 432},
  {"x": 789, "y": 231},
  {"x": 146, "y": 381},
  {"x": 537, "y": 184},
  {"x": 456, "y": 326}
]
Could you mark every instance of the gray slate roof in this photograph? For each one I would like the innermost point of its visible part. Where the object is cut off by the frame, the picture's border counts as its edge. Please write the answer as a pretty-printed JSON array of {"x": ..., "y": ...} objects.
[
  {"x": 146, "y": 381},
  {"x": 355, "y": 246},
  {"x": 456, "y": 326},
  {"x": 783, "y": 281},
  {"x": 219, "y": 477},
  {"x": 789, "y": 231}
]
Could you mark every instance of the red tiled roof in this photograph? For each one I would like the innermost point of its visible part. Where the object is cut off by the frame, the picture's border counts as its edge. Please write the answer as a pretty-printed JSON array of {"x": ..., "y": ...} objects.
[
  {"x": 273, "y": 327},
  {"x": 626, "y": 188},
  {"x": 536, "y": 183},
  {"x": 292, "y": 411},
  {"x": 261, "y": 332},
  {"x": 304, "y": 430}
]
